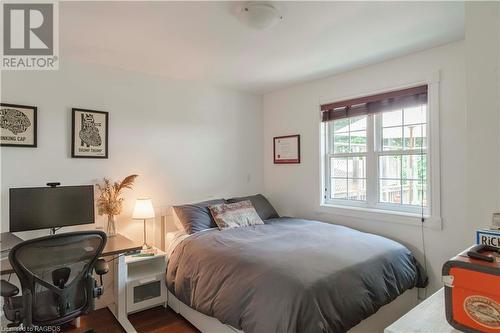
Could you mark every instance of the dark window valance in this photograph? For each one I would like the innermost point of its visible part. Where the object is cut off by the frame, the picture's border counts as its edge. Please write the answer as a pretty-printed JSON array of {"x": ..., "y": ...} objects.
[{"x": 388, "y": 101}]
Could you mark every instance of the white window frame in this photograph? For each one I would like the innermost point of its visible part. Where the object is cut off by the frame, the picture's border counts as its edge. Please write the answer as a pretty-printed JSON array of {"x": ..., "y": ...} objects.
[{"x": 372, "y": 210}]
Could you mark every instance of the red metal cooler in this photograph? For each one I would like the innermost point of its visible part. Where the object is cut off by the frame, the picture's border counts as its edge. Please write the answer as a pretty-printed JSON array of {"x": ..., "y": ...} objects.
[{"x": 472, "y": 290}]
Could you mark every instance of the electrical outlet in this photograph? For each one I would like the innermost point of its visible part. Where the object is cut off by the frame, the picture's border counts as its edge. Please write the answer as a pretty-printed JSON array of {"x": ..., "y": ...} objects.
[{"x": 495, "y": 221}]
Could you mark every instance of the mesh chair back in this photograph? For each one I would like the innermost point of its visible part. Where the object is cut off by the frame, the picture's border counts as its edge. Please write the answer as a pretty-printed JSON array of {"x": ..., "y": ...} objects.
[{"x": 57, "y": 271}]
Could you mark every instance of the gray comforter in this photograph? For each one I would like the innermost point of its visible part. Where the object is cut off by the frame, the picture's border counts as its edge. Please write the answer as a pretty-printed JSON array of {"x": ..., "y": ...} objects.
[{"x": 290, "y": 275}]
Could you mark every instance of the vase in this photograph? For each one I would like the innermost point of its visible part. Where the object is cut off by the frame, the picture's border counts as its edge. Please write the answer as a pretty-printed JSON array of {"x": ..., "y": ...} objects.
[{"x": 111, "y": 228}]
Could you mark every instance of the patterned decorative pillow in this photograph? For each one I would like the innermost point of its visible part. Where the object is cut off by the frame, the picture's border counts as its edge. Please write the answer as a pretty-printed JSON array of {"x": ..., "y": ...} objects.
[{"x": 235, "y": 215}]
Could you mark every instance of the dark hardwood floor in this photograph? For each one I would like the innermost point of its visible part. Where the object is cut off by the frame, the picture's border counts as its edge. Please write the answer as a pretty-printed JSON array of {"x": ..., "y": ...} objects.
[{"x": 156, "y": 320}]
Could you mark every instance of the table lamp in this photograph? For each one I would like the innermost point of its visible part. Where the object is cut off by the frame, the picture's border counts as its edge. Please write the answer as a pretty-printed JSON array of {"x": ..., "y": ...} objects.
[{"x": 143, "y": 210}]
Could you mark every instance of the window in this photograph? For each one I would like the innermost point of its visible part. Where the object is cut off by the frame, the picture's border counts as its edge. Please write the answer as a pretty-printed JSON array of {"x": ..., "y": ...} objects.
[
  {"x": 376, "y": 152},
  {"x": 402, "y": 158},
  {"x": 348, "y": 158}
]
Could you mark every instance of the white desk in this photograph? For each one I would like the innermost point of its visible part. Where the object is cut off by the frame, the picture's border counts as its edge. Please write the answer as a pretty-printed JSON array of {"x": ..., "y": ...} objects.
[{"x": 427, "y": 317}]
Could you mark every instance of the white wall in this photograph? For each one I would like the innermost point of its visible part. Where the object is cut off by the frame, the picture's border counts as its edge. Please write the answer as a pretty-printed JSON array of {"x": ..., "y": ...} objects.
[
  {"x": 187, "y": 141},
  {"x": 469, "y": 133},
  {"x": 294, "y": 189},
  {"x": 483, "y": 140}
]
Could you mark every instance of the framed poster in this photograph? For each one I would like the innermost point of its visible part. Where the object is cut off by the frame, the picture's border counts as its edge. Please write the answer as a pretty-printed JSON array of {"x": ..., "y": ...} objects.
[
  {"x": 89, "y": 133},
  {"x": 17, "y": 125},
  {"x": 286, "y": 149}
]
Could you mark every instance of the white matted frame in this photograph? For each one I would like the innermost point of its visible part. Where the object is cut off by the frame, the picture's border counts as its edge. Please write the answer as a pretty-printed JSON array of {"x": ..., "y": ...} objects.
[{"x": 379, "y": 212}]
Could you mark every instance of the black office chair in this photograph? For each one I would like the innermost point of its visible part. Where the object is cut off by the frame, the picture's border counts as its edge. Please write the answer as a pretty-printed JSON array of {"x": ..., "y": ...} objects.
[{"x": 56, "y": 279}]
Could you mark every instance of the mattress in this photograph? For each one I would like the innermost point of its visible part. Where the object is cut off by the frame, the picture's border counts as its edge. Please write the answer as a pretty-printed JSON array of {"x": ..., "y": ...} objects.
[{"x": 290, "y": 275}]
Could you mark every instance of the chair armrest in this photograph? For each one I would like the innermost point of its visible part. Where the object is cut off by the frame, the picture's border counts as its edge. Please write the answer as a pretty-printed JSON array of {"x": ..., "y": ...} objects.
[
  {"x": 101, "y": 267},
  {"x": 7, "y": 289}
]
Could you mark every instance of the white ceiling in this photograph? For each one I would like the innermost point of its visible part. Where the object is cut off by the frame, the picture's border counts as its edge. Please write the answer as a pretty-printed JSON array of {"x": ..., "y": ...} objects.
[{"x": 204, "y": 41}]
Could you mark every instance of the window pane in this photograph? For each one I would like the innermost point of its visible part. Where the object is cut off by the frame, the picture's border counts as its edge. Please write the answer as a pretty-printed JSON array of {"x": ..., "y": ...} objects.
[
  {"x": 358, "y": 123},
  {"x": 414, "y": 192},
  {"x": 357, "y": 189},
  {"x": 339, "y": 167},
  {"x": 415, "y": 167},
  {"x": 358, "y": 142},
  {"x": 390, "y": 167},
  {"x": 390, "y": 191},
  {"x": 341, "y": 125},
  {"x": 356, "y": 167},
  {"x": 392, "y": 138},
  {"x": 415, "y": 137},
  {"x": 341, "y": 143},
  {"x": 393, "y": 118},
  {"x": 339, "y": 188},
  {"x": 416, "y": 115}
]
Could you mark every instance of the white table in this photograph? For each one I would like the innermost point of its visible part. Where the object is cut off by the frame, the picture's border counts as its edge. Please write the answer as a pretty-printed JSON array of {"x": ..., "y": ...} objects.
[
  {"x": 427, "y": 317},
  {"x": 122, "y": 272}
]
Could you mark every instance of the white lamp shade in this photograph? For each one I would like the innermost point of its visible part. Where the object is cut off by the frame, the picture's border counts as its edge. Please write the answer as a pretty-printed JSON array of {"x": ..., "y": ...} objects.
[{"x": 143, "y": 209}]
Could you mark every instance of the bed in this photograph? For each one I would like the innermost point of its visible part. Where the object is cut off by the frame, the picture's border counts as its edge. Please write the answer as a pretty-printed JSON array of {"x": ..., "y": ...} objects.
[{"x": 288, "y": 275}]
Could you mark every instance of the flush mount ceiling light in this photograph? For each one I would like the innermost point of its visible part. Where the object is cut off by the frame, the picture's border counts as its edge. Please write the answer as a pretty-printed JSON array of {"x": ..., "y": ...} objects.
[{"x": 259, "y": 15}]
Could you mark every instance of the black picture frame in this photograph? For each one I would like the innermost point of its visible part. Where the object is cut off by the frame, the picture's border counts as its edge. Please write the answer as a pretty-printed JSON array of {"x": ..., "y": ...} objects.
[
  {"x": 34, "y": 109},
  {"x": 294, "y": 159},
  {"x": 74, "y": 153}
]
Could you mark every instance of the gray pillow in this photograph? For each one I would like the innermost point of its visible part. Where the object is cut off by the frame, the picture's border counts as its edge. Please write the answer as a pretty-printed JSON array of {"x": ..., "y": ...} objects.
[
  {"x": 261, "y": 204},
  {"x": 196, "y": 217}
]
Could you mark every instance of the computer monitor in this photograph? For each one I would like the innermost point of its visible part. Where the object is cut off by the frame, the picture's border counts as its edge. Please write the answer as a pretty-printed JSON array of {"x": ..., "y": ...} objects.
[{"x": 50, "y": 207}]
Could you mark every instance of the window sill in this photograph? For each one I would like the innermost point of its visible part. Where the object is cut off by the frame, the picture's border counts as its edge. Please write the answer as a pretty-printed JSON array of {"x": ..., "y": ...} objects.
[{"x": 380, "y": 215}]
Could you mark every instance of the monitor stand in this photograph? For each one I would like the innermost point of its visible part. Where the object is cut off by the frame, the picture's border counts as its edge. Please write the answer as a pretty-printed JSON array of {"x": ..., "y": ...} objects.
[{"x": 53, "y": 230}]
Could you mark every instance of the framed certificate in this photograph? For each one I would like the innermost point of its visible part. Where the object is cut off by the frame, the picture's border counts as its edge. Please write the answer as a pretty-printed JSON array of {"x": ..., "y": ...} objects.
[{"x": 286, "y": 149}]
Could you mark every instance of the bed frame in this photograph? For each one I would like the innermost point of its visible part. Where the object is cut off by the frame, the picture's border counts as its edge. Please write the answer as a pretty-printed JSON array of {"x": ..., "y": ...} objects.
[
  {"x": 375, "y": 323},
  {"x": 202, "y": 322},
  {"x": 385, "y": 316}
]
